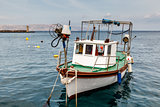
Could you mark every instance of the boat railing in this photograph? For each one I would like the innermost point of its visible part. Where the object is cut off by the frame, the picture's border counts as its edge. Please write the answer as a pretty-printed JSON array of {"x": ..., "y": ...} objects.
[
  {"x": 107, "y": 63},
  {"x": 61, "y": 58}
]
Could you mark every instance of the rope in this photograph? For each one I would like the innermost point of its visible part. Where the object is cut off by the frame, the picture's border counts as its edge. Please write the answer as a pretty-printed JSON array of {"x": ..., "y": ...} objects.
[
  {"x": 55, "y": 32},
  {"x": 57, "y": 42},
  {"x": 48, "y": 101},
  {"x": 76, "y": 85}
]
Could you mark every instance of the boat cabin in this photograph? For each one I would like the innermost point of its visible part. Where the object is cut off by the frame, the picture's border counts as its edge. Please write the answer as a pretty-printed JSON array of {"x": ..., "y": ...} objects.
[{"x": 94, "y": 53}]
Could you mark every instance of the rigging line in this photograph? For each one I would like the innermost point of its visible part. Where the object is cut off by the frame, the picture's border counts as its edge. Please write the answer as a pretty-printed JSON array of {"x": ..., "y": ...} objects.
[{"x": 119, "y": 33}]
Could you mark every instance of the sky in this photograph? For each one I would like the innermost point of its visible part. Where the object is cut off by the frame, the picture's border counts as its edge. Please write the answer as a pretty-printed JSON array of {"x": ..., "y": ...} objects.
[{"x": 145, "y": 14}]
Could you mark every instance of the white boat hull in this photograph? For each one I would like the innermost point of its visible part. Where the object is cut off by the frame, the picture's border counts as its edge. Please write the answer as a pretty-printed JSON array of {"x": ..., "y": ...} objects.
[{"x": 86, "y": 84}]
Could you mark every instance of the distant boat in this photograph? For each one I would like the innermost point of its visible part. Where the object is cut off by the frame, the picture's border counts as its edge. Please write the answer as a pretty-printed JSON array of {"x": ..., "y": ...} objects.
[{"x": 96, "y": 63}]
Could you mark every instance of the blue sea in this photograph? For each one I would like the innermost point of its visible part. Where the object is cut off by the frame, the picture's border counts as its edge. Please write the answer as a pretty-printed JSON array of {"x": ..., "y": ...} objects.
[{"x": 27, "y": 73}]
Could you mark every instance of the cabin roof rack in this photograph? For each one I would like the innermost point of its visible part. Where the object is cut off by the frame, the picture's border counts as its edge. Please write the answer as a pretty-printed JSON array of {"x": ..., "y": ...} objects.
[{"x": 105, "y": 21}]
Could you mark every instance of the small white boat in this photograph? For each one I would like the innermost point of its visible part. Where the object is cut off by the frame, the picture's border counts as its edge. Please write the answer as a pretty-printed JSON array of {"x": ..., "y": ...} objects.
[{"x": 97, "y": 63}]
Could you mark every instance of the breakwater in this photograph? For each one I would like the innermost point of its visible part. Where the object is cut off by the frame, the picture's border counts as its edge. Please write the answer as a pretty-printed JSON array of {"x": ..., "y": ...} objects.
[{"x": 16, "y": 31}]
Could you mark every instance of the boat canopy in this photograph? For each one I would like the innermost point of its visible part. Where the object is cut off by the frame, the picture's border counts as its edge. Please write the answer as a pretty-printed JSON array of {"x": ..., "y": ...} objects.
[{"x": 124, "y": 28}]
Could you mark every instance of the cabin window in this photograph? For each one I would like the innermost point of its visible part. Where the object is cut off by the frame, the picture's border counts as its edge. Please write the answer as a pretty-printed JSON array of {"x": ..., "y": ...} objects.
[
  {"x": 79, "y": 48},
  {"x": 89, "y": 49},
  {"x": 109, "y": 50},
  {"x": 100, "y": 50}
]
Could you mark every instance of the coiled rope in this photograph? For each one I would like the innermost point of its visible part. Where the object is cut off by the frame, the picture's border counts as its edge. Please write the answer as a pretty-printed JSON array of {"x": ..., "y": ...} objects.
[{"x": 57, "y": 42}]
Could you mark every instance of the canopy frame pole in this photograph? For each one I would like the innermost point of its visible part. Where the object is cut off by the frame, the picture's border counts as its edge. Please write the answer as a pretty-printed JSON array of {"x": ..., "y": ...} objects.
[
  {"x": 108, "y": 32},
  {"x": 87, "y": 31},
  {"x": 122, "y": 34},
  {"x": 81, "y": 30},
  {"x": 111, "y": 32},
  {"x": 98, "y": 31}
]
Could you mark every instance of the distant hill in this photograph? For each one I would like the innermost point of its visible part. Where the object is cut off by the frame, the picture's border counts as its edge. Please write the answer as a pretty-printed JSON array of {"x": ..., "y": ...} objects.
[{"x": 32, "y": 27}]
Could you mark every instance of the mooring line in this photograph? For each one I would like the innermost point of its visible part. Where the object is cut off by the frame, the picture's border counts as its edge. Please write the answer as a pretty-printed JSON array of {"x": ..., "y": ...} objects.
[{"x": 48, "y": 101}]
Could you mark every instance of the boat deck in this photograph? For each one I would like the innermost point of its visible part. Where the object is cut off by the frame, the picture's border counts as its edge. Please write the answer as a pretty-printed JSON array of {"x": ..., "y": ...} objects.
[{"x": 122, "y": 62}]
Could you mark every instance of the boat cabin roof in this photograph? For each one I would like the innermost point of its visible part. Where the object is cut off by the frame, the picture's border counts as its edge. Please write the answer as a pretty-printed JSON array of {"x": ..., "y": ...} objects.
[
  {"x": 96, "y": 42},
  {"x": 106, "y": 21}
]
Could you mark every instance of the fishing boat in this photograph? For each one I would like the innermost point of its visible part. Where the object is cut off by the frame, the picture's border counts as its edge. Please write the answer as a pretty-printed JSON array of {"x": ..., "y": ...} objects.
[{"x": 97, "y": 62}]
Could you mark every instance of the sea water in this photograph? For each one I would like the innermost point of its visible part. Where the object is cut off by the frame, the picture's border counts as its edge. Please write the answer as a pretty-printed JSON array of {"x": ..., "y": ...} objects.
[{"x": 27, "y": 73}]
